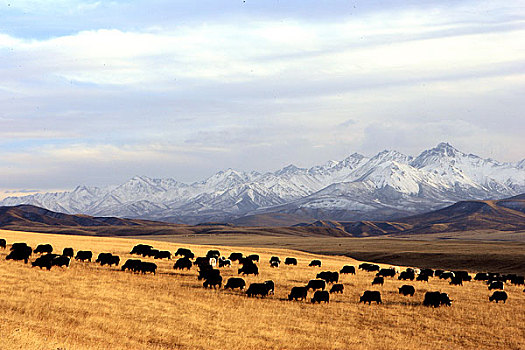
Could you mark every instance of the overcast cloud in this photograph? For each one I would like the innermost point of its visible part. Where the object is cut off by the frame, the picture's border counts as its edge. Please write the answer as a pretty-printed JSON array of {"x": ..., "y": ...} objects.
[{"x": 95, "y": 92}]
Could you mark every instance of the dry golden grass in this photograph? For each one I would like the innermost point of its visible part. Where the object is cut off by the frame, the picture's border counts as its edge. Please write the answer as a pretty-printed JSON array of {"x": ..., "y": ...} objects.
[{"x": 88, "y": 306}]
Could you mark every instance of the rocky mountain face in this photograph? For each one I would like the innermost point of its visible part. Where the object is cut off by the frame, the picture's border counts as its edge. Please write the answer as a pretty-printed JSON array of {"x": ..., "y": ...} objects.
[{"x": 385, "y": 186}]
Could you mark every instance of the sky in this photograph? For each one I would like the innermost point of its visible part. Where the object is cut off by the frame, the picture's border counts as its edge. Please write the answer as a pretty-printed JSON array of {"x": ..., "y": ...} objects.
[{"x": 96, "y": 92}]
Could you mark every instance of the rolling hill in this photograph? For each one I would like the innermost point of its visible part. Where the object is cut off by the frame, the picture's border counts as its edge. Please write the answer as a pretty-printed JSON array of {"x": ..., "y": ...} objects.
[
  {"x": 32, "y": 218},
  {"x": 501, "y": 215}
]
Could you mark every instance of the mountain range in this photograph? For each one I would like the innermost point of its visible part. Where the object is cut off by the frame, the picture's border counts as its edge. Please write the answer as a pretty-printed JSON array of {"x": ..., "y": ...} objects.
[
  {"x": 386, "y": 186},
  {"x": 504, "y": 216}
]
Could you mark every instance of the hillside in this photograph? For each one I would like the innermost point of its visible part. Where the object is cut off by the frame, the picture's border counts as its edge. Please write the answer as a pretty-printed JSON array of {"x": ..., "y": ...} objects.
[
  {"x": 500, "y": 215},
  {"x": 88, "y": 306},
  {"x": 31, "y": 218}
]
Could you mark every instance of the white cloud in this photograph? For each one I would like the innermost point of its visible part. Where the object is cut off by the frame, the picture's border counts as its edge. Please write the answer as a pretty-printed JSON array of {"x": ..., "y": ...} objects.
[{"x": 254, "y": 90}]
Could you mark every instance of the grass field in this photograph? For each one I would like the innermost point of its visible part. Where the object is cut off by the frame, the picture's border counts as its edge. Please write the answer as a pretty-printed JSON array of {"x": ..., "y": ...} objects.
[
  {"x": 88, "y": 306},
  {"x": 459, "y": 254}
]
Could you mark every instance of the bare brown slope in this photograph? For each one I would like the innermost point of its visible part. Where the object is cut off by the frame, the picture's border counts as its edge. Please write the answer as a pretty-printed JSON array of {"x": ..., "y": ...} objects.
[
  {"x": 271, "y": 220},
  {"x": 470, "y": 215},
  {"x": 31, "y": 218},
  {"x": 501, "y": 215}
]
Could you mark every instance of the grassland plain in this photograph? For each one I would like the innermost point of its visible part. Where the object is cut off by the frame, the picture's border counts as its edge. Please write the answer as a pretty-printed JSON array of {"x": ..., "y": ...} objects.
[{"x": 88, "y": 306}]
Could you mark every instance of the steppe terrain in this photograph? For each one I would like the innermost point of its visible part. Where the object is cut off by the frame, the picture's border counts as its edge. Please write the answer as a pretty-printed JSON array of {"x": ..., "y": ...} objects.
[
  {"x": 458, "y": 252},
  {"x": 87, "y": 306}
]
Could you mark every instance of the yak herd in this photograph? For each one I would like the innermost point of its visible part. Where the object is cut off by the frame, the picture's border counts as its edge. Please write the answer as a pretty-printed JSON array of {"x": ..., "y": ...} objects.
[{"x": 209, "y": 272}]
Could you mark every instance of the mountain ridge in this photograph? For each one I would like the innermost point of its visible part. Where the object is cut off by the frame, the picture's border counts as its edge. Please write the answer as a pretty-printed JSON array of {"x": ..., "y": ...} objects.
[{"x": 387, "y": 186}]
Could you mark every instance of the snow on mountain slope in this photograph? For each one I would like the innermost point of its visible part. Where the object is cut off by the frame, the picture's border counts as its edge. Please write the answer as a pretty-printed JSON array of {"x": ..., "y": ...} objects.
[{"x": 385, "y": 184}]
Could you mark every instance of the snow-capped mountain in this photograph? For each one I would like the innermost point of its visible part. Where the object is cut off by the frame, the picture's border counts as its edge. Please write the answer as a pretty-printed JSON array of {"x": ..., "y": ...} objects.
[{"x": 384, "y": 186}]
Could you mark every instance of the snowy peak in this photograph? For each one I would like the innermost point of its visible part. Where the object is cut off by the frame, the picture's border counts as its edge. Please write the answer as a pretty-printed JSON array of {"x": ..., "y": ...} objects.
[
  {"x": 442, "y": 153},
  {"x": 445, "y": 149},
  {"x": 388, "y": 156},
  {"x": 226, "y": 179},
  {"x": 289, "y": 170}
]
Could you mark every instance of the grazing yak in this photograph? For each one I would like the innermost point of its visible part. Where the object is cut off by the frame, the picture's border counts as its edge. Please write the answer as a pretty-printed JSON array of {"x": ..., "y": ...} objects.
[
  {"x": 249, "y": 269},
  {"x": 235, "y": 282},
  {"x": 43, "y": 248},
  {"x": 68, "y": 252},
  {"x": 337, "y": 288},
  {"x": 20, "y": 251},
  {"x": 61, "y": 260},
  {"x": 274, "y": 264},
  {"x": 131, "y": 265},
  {"x": 397, "y": 269},
  {"x": 407, "y": 275},
  {"x": 276, "y": 259},
  {"x": 369, "y": 296},
  {"x": 183, "y": 263},
  {"x": 213, "y": 253},
  {"x": 498, "y": 296},
  {"x": 261, "y": 289},
  {"x": 481, "y": 276},
  {"x": 436, "y": 299},
  {"x": 315, "y": 262},
  {"x": 386, "y": 273},
  {"x": 44, "y": 261},
  {"x": 298, "y": 293},
  {"x": 456, "y": 281},
  {"x": 271, "y": 286},
  {"x": 150, "y": 253},
  {"x": 347, "y": 269},
  {"x": 145, "y": 266},
  {"x": 213, "y": 280},
  {"x": 137, "y": 265},
  {"x": 290, "y": 261},
  {"x": 3, "y": 243},
  {"x": 108, "y": 259},
  {"x": 369, "y": 267},
  {"x": 496, "y": 285},
  {"x": 49, "y": 260},
  {"x": 83, "y": 255},
  {"x": 378, "y": 280},
  {"x": 223, "y": 262},
  {"x": 329, "y": 276},
  {"x": 464, "y": 275},
  {"x": 235, "y": 256},
  {"x": 518, "y": 280},
  {"x": 162, "y": 254},
  {"x": 320, "y": 295},
  {"x": 185, "y": 253},
  {"x": 428, "y": 272},
  {"x": 253, "y": 257},
  {"x": 316, "y": 284},
  {"x": 422, "y": 277},
  {"x": 141, "y": 249},
  {"x": 407, "y": 290},
  {"x": 446, "y": 275},
  {"x": 208, "y": 273},
  {"x": 202, "y": 261}
]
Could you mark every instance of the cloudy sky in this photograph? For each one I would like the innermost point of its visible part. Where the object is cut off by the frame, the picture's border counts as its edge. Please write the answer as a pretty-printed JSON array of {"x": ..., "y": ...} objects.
[{"x": 95, "y": 92}]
